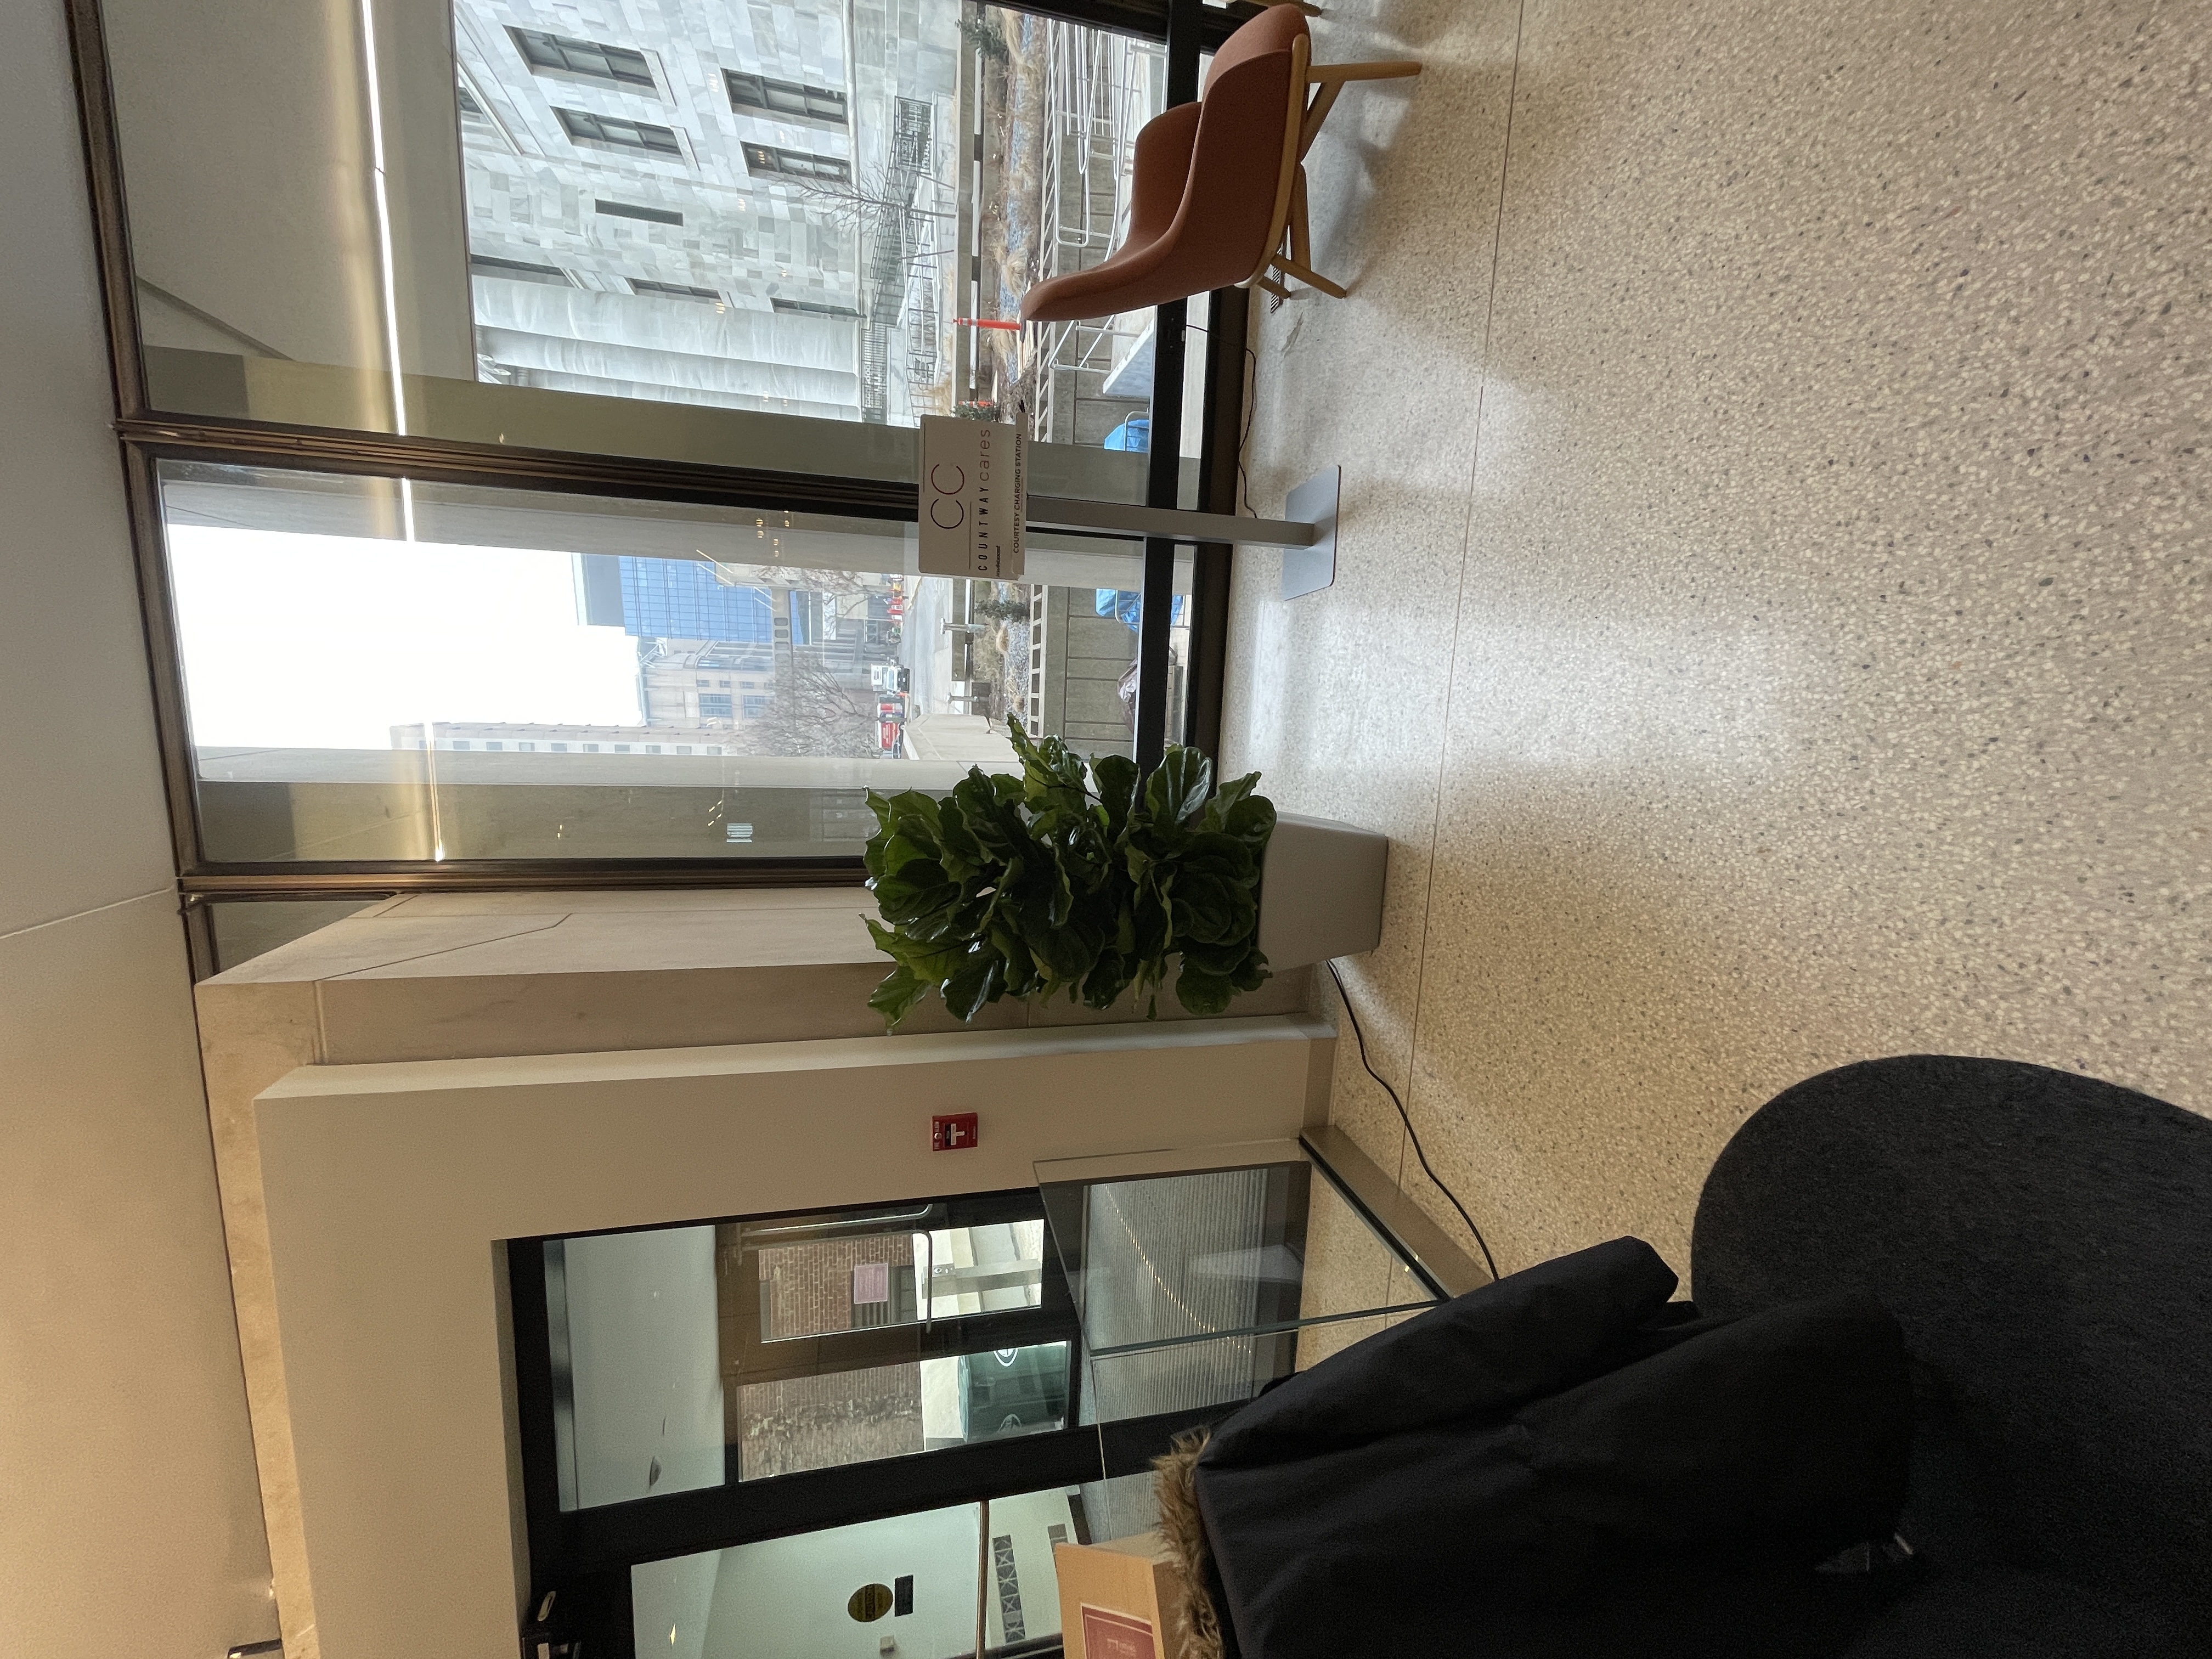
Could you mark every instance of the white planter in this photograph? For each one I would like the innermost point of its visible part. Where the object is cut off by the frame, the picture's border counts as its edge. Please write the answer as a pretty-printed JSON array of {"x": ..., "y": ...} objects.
[{"x": 1320, "y": 891}]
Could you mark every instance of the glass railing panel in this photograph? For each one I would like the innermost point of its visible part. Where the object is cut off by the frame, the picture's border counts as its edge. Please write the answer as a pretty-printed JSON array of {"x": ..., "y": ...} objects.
[{"x": 1197, "y": 1289}]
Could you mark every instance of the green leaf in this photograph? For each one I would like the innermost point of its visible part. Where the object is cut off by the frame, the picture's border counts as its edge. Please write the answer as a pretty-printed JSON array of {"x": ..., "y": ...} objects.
[
  {"x": 894, "y": 999},
  {"x": 1119, "y": 783},
  {"x": 1251, "y": 820},
  {"x": 976, "y": 982},
  {"x": 1202, "y": 992},
  {"x": 1176, "y": 793}
]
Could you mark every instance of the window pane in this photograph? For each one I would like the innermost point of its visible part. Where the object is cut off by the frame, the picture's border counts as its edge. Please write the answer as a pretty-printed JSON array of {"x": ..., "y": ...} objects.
[
  {"x": 382, "y": 671},
  {"x": 385, "y": 266},
  {"x": 689, "y": 1356}
]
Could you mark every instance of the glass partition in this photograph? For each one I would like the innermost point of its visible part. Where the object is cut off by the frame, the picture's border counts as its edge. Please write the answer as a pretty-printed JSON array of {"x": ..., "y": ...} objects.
[
  {"x": 380, "y": 668},
  {"x": 1198, "y": 1290},
  {"x": 776, "y": 235}
]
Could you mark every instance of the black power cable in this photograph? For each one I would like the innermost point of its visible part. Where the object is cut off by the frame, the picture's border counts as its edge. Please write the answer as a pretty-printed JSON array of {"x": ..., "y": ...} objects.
[{"x": 1411, "y": 1134}]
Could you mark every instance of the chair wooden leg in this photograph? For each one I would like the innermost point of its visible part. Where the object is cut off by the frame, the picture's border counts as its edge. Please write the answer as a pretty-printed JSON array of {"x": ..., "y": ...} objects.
[
  {"x": 1386, "y": 69},
  {"x": 1309, "y": 275},
  {"x": 1301, "y": 232},
  {"x": 1329, "y": 80},
  {"x": 1316, "y": 113},
  {"x": 1272, "y": 287}
]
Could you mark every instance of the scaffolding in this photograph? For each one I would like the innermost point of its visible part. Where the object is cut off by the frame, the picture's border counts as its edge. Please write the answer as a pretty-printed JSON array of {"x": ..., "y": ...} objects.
[{"x": 899, "y": 277}]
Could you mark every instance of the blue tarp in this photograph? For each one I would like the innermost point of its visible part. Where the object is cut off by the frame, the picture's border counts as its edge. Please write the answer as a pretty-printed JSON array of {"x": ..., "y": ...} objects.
[{"x": 1129, "y": 607}]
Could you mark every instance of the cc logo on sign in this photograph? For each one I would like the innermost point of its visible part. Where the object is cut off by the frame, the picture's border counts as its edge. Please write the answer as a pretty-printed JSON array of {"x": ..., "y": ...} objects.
[{"x": 959, "y": 510}]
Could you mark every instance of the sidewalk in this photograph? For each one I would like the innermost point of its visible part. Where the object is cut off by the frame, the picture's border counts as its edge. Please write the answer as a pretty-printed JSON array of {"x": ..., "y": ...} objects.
[{"x": 968, "y": 740}]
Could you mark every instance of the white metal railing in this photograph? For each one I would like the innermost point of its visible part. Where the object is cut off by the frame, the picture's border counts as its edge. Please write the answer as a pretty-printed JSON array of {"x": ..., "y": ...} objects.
[{"x": 1098, "y": 94}]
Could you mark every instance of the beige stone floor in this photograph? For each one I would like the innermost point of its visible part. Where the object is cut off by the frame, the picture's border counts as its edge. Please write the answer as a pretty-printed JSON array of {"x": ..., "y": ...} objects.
[{"x": 1774, "y": 613}]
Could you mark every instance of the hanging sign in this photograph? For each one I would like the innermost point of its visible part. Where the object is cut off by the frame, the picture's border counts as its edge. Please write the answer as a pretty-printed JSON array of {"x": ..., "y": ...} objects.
[{"x": 975, "y": 497}]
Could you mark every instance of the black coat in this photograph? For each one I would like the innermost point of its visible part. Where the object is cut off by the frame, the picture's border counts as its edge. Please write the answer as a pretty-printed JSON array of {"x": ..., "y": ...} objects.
[{"x": 1564, "y": 1464}]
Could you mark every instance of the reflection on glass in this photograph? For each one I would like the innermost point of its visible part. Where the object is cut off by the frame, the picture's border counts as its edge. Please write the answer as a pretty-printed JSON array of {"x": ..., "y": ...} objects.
[
  {"x": 816, "y": 1593},
  {"x": 1198, "y": 1290},
  {"x": 635, "y": 1364},
  {"x": 823, "y": 212},
  {"x": 690, "y": 1356},
  {"x": 376, "y": 669}
]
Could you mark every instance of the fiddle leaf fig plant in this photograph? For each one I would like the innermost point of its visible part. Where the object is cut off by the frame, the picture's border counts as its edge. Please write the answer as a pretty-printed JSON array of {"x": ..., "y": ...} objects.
[{"x": 1083, "y": 878}]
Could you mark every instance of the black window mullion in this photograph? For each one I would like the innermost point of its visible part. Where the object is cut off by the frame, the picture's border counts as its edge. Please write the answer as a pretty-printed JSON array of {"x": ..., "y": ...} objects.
[
  {"x": 1164, "y": 459},
  {"x": 832, "y": 1351},
  {"x": 1220, "y": 457},
  {"x": 718, "y": 1517},
  {"x": 1146, "y": 20}
]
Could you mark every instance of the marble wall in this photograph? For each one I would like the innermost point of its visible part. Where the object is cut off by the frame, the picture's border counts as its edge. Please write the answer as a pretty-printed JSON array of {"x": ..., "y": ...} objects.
[{"x": 132, "y": 1524}]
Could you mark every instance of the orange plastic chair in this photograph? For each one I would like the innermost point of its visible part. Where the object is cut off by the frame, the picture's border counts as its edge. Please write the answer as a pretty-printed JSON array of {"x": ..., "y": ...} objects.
[{"x": 1220, "y": 185}]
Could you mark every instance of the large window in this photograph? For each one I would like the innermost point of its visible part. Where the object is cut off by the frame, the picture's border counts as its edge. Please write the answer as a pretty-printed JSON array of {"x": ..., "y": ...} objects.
[
  {"x": 618, "y": 133},
  {"x": 763, "y": 94},
  {"x": 378, "y": 672},
  {"x": 555, "y": 363},
  {"x": 768, "y": 160},
  {"x": 912, "y": 167},
  {"x": 560, "y": 54}
]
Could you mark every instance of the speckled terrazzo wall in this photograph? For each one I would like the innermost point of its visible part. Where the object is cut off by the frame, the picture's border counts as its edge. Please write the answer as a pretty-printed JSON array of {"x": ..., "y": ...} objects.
[{"x": 1774, "y": 617}]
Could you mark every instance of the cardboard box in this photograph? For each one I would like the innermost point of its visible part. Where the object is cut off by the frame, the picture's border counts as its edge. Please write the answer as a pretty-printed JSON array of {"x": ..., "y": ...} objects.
[{"x": 1118, "y": 1600}]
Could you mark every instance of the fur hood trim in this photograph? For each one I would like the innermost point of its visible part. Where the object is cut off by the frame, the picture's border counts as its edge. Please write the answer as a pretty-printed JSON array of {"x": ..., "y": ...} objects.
[{"x": 1183, "y": 1530}]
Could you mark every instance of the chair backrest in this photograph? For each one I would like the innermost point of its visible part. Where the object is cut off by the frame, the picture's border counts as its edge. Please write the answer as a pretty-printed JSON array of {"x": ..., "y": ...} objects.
[
  {"x": 1273, "y": 30},
  {"x": 1279, "y": 30},
  {"x": 2046, "y": 1240}
]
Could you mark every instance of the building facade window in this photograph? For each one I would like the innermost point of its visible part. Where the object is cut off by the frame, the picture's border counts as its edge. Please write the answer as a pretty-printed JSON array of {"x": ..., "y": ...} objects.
[
  {"x": 562, "y": 54},
  {"x": 755, "y": 706},
  {"x": 772, "y": 162},
  {"x": 714, "y": 706},
  {"x": 518, "y": 270},
  {"x": 652, "y": 216},
  {"x": 786, "y": 100},
  {"x": 811, "y": 308},
  {"x": 619, "y": 132},
  {"x": 674, "y": 290}
]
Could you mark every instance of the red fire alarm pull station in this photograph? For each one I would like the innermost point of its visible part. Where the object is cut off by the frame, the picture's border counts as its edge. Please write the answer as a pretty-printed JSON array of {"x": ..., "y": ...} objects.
[{"x": 955, "y": 1132}]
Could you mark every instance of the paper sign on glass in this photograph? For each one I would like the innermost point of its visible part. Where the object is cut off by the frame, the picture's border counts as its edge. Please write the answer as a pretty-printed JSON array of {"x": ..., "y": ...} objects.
[
  {"x": 872, "y": 1283},
  {"x": 1108, "y": 1635},
  {"x": 975, "y": 497}
]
